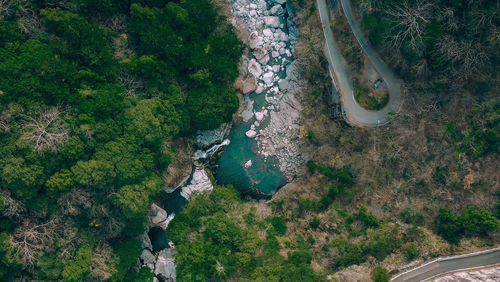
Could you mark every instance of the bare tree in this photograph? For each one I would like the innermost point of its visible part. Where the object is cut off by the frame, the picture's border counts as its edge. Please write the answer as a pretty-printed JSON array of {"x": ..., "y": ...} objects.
[
  {"x": 411, "y": 20},
  {"x": 5, "y": 118},
  {"x": 130, "y": 83},
  {"x": 451, "y": 23},
  {"x": 46, "y": 131},
  {"x": 467, "y": 56},
  {"x": 12, "y": 207},
  {"x": 105, "y": 223},
  {"x": 4, "y": 8},
  {"x": 29, "y": 22},
  {"x": 103, "y": 262},
  {"x": 31, "y": 239},
  {"x": 74, "y": 202}
]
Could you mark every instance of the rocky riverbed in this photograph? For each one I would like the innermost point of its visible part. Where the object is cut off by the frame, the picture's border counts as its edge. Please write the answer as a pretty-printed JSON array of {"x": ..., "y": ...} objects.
[{"x": 270, "y": 81}]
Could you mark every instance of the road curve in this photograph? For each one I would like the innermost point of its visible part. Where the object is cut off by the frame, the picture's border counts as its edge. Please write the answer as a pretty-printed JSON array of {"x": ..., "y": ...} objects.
[
  {"x": 450, "y": 264},
  {"x": 353, "y": 112}
]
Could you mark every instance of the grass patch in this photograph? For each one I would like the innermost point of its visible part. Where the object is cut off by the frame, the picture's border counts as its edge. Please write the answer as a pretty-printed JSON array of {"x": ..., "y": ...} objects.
[{"x": 367, "y": 101}]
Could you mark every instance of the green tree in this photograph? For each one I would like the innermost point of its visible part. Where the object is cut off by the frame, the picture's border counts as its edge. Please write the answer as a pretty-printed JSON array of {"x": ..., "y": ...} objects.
[
  {"x": 212, "y": 105},
  {"x": 381, "y": 245},
  {"x": 79, "y": 268},
  {"x": 448, "y": 226},
  {"x": 24, "y": 179},
  {"x": 478, "y": 221},
  {"x": 93, "y": 173},
  {"x": 380, "y": 274},
  {"x": 134, "y": 199},
  {"x": 61, "y": 181}
]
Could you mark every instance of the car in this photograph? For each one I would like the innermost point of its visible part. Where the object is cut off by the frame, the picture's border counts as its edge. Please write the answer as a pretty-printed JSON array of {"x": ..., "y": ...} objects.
[{"x": 377, "y": 83}]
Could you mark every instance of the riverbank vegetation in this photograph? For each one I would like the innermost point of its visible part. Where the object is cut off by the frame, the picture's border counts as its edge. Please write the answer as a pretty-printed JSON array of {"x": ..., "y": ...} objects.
[{"x": 91, "y": 96}]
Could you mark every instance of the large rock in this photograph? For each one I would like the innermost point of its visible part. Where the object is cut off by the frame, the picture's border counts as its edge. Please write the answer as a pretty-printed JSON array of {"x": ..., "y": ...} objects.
[
  {"x": 272, "y": 21},
  {"x": 254, "y": 40},
  {"x": 254, "y": 68},
  {"x": 145, "y": 241},
  {"x": 268, "y": 78},
  {"x": 264, "y": 60},
  {"x": 292, "y": 73},
  {"x": 159, "y": 217},
  {"x": 283, "y": 85},
  {"x": 165, "y": 264},
  {"x": 207, "y": 138},
  {"x": 249, "y": 85},
  {"x": 251, "y": 133},
  {"x": 259, "y": 116},
  {"x": 277, "y": 10},
  {"x": 281, "y": 2},
  {"x": 199, "y": 183},
  {"x": 148, "y": 259},
  {"x": 259, "y": 53}
]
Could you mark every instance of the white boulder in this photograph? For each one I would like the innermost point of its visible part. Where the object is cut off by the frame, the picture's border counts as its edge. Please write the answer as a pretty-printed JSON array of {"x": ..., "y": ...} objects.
[
  {"x": 248, "y": 164},
  {"x": 259, "y": 53},
  {"x": 251, "y": 133},
  {"x": 277, "y": 10},
  {"x": 148, "y": 259},
  {"x": 254, "y": 40},
  {"x": 268, "y": 78},
  {"x": 259, "y": 116},
  {"x": 159, "y": 217},
  {"x": 272, "y": 21},
  {"x": 165, "y": 264},
  {"x": 264, "y": 60},
  {"x": 199, "y": 183},
  {"x": 254, "y": 68}
]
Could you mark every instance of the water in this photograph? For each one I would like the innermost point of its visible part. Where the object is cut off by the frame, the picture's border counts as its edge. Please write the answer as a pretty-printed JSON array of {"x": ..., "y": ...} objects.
[
  {"x": 262, "y": 178},
  {"x": 158, "y": 238}
]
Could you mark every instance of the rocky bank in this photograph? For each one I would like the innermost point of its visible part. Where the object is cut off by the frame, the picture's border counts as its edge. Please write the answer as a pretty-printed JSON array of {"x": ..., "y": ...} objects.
[
  {"x": 269, "y": 70},
  {"x": 161, "y": 262}
]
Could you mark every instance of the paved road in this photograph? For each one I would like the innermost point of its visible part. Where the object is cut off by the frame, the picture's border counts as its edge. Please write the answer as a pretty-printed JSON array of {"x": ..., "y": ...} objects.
[
  {"x": 450, "y": 264},
  {"x": 354, "y": 113}
]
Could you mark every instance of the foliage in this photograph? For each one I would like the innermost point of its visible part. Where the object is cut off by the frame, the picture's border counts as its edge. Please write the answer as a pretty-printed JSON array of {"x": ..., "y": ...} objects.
[
  {"x": 382, "y": 245},
  {"x": 481, "y": 136},
  {"x": 221, "y": 244},
  {"x": 380, "y": 274},
  {"x": 412, "y": 252},
  {"x": 367, "y": 218},
  {"x": 79, "y": 146},
  {"x": 471, "y": 222}
]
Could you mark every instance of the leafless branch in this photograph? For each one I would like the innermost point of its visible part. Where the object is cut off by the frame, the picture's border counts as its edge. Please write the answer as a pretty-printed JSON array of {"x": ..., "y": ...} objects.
[
  {"x": 45, "y": 132},
  {"x": 12, "y": 207},
  {"x": 31, "y": 239},
  {"x": 411, "y": 20},
  {"x": 130, "y": 82}
]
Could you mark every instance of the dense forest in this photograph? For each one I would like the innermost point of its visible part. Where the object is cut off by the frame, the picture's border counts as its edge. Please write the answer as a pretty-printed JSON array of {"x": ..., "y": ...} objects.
[{"x": 91, "y": 93}]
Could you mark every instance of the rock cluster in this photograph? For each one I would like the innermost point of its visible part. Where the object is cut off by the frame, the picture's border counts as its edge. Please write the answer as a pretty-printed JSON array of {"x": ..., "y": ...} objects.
[
  {"x": 205, "y": 139},
  {"x": 271, "y": 39},
  {"x": 161, "y": 263}
]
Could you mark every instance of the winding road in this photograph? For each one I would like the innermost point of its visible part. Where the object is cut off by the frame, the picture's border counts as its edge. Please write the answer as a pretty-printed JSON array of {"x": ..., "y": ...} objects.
[
  {"x": 450, "y": 264},
  {"x": 353, "y": 112}
]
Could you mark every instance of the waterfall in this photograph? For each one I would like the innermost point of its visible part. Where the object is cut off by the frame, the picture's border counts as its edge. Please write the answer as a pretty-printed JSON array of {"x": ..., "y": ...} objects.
[{"x": 200, "y": 154}]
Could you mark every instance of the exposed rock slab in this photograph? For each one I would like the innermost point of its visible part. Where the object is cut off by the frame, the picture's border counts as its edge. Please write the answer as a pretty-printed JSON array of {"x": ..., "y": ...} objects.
[
  {"x": 159, "y": 217},
  {"x": 165, "y": 264},
  {"x": 207, "y": 138},
  {"x": 199, "y": 183}
]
